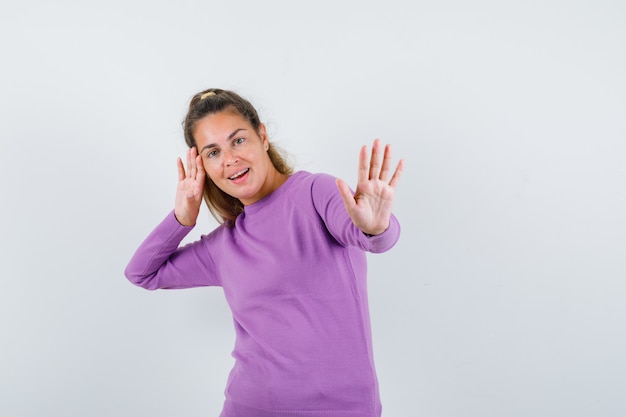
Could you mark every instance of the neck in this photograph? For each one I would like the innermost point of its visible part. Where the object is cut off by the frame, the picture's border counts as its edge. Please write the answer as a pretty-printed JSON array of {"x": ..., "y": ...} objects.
[{"x": 275, "y": 180}]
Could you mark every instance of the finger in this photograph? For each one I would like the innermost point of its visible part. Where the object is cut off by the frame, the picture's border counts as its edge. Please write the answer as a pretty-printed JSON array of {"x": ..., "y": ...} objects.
[
  {"x": 375, "y": 160},
  {"x": 395, "y": 179},
  {"x": 181, "y": 169},
  {"x": 346, "y": 195},
  {"x": 188, "y": 163},
  {"x": 191, "y": 162},
  {"x": 363, "y": 166},
  {"x": 384, "y": 171},
  {"x": 200, "y": 166}
]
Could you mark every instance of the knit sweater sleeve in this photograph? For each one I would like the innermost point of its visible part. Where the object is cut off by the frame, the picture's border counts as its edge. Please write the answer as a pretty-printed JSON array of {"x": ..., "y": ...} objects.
[
  {"x": 159, "y": 262},
  {"x": 330, "y": 207}
]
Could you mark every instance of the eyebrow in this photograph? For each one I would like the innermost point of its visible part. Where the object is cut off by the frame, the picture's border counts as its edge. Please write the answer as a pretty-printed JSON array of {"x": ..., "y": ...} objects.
[{"x": 213, "y": 145}]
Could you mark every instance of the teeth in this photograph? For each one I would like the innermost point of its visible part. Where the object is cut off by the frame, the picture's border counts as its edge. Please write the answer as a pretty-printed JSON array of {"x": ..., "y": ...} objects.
[{"x": 243, "y": 171}]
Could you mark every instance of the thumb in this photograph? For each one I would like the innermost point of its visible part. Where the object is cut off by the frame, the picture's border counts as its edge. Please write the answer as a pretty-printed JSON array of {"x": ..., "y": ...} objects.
[{"x": 346, "y": 194}]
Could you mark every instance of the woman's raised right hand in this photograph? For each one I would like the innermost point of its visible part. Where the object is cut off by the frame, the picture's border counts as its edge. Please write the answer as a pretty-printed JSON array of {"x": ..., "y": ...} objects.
[{"x": 190, "y": 188}]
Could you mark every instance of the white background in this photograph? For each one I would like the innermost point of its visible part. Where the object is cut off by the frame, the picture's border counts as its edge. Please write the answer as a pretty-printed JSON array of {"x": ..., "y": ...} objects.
[{"x": 506, "y": 293}]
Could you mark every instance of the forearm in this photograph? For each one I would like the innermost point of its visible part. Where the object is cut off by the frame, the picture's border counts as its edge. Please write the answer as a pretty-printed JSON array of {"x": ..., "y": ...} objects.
[
  {"x": 151, "y": 266},
  {"x": 331, "y": 209}
]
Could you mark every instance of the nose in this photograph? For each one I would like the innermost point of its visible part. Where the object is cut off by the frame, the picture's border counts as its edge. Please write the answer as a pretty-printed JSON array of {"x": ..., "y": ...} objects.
[{"x": 230, "y": 157}]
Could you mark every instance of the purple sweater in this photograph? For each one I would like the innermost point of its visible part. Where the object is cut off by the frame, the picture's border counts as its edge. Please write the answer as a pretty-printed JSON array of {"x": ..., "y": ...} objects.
[{"x": 293, "y": 270}]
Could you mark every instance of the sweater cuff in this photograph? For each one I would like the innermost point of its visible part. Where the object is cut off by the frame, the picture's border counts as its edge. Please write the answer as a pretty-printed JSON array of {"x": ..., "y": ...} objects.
[
  {"x": 171, "y": 222},
  {"x": 387, "y": 239}
]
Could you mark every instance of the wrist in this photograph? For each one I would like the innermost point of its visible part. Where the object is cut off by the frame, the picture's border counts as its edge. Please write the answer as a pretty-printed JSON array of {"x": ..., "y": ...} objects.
[
  {"x": 183, "y": 221},
  {"x": 375, "y": 232}
]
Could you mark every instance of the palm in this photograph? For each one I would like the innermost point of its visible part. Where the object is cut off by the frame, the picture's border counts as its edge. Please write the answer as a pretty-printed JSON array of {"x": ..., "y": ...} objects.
[
  {"x": 370, "y": 206},
  {"x": 189, "y": 189}
]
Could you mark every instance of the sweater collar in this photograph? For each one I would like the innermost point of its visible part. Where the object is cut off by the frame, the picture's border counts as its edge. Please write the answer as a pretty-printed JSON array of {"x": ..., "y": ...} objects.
[{"x": 268, "y": 199}]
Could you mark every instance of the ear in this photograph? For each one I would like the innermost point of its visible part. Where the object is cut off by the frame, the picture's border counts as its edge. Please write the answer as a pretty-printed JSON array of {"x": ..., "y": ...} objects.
[{"x": 263, "y": 136}]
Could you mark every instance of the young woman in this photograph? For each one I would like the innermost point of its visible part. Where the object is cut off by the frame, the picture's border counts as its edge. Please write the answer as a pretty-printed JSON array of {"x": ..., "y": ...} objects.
[{"x": 290, "y": 257}]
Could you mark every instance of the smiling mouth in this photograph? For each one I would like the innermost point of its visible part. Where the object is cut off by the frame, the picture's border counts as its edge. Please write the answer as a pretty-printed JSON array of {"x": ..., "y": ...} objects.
[{"x": 239, "y": 174}]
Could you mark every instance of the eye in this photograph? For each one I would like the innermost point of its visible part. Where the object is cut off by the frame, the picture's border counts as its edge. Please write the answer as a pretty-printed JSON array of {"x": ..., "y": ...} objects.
[
  {"x": 239, "y": 141},
  {"x": 212, "y": 154}
]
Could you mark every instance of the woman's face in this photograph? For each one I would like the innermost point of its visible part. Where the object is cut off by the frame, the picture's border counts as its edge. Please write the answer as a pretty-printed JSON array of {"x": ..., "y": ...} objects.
[{"x": 235, "y": 156}]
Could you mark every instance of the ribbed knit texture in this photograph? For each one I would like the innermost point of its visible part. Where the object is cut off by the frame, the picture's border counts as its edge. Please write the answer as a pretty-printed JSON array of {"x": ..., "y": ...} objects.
[{"x": 293, "y": 270}]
